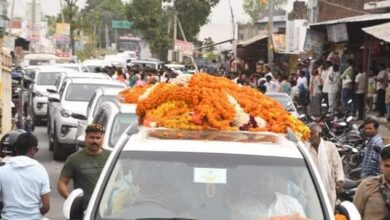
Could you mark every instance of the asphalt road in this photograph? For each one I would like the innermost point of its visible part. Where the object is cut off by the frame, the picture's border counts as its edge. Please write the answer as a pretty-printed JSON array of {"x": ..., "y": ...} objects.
[{"x": 45, "y": 157}]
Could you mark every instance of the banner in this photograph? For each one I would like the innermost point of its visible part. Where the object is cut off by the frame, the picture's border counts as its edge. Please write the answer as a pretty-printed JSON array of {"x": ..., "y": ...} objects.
[
  {"x": 63, "y": 29},
  {"x": 187, "y": 48}
]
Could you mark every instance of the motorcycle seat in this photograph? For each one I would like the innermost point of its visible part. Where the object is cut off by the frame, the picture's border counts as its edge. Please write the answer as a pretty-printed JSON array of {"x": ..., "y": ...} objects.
[{"x": 350, "y": 184}]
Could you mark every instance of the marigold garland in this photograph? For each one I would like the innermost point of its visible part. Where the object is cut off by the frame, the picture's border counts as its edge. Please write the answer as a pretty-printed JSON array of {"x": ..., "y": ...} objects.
[
  {"x": 130, "y": 95},
  {"x": 206, "y": 96}
]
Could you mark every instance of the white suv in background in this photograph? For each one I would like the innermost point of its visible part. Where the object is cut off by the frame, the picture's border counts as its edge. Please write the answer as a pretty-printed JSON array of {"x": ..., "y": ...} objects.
[
  {"x": 44, "y": 78},
  {"x": 115, "y": 117},
  {"x": 100, "y": 96},
  {"x": 54, "y": 93},
  {"x": 75, "y": 95}
]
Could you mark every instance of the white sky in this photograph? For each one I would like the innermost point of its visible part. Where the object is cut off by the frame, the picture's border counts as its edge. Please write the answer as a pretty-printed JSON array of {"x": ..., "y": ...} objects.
[{"x": 219, "y": 28}]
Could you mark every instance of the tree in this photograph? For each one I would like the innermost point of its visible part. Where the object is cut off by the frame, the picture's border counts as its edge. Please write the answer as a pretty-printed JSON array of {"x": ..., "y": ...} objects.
[
  {"x": 70, "y": 11},
  {"x": 254, "y": 7},
  {"x": 193, "y": 14},
  {"x": 151, "y": 22},
  {"x": 208, "y": 42}
]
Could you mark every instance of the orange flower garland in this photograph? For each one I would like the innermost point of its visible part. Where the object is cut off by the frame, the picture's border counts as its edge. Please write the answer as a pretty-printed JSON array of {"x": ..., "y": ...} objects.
[
  {"x": 205, "y": 97},
  {"x": 131, "y": 95}
]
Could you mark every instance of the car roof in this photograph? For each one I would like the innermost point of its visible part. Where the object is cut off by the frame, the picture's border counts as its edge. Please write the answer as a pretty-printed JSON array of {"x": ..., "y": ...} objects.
[
  {"x": 95, "y": 81},
  {"x": 147, "y": 61},
  {"x": 109, "y": 91},
  {"x": 122, "y": 107},
  {"x": 41, "y": 56},
  {"x": 78, "y": 75},
  {"x": 50, "y": 68},
  {"x": 226, "y": 142}
]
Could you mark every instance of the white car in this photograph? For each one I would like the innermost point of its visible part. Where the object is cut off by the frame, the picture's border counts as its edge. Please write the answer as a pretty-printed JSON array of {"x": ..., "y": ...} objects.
[
  {"x": 74, "y": 66},
  {"x": 285, "y": 100},
  {"x": 147, "y": 63},
  {"x": 93, "y": 64},
  {"x": 132, "y": 55},
  {"x": 100, "y": 97},
  {"x": 157, "y": 173},
  {"x": 44, "y": 78},
  {"x": 54, "y": 95},
  {"x": 39, "y": 59},
  {"x": 115, "y": 117},
  {"x": 74, "y": 96}
]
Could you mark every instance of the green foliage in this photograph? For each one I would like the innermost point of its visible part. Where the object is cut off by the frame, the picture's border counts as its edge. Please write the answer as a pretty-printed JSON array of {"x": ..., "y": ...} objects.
[
  {"x": 193, "y": 14},
  {"x": 207, "y": 42},
  {"x": 153, "y": 23},
  {"x": 254, "y": 7}
]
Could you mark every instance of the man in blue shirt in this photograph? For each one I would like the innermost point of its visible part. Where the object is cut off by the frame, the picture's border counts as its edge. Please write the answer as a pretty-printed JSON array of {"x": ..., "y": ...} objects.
[
  {"x": 374, "y": 145},
  {"x": 24, "y": 183}
]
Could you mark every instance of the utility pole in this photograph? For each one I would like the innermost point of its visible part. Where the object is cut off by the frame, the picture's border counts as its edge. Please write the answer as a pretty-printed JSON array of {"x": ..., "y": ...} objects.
[
  {"x": 107, "y": 38},
  {"x": 174, "y": 30},
  {"x": 62, "y": 12},
  {"x": 12, "y": 16},
  {"x": 270, "y": 32},
  {"x": 185, "y": 39}
]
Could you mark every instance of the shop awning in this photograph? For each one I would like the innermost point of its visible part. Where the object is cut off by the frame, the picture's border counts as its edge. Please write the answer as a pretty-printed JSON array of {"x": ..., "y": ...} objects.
[
  {"x": 252, "y": 40},
  {"x": 368, "y": 17},
  {"x": 381, "y": 31}
]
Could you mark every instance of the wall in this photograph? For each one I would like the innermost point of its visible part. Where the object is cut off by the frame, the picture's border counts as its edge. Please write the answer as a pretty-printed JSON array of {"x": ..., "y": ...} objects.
[
  {"x": 5, "y": 90},
  {"x": 336, "y": 9}
]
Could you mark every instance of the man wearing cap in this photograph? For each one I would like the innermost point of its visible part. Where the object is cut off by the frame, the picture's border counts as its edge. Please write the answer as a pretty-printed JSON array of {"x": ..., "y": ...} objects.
[
  {"x": 84, "y": 167},
  {"x": 372, "y": 197}
]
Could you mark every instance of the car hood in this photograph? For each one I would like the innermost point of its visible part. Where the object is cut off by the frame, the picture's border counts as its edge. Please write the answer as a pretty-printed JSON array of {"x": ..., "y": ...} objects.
[
  {"x": 76, "y": 107},
  {"x": 43, "y": 89}
]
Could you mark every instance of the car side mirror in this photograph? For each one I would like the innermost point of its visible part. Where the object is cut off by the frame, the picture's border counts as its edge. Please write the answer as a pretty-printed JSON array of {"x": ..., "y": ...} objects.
[
  {"x": 79, "y": 116},
  {"x": 348, "y": 210},
  {"x": 73, "y": 207},
  {"x": 54, "y": 97},
  {"x": 51, "y": 90}
]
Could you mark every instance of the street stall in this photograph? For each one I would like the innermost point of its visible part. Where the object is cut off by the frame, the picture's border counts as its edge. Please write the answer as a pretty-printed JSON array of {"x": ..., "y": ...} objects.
[
  {"x": 5, "y": 90},
  {"x": 347, "y": 38}
]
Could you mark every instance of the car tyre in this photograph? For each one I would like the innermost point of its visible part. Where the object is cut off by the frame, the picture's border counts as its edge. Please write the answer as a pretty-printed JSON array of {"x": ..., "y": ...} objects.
[{"x": 58, "y": 151}]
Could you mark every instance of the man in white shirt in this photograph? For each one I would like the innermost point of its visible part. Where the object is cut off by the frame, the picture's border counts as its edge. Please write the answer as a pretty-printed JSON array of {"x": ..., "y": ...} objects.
[
  {"x": 24, "y": 183},
  {"x": 360, "y": 88},
  {"x": 381, "y": 84}
]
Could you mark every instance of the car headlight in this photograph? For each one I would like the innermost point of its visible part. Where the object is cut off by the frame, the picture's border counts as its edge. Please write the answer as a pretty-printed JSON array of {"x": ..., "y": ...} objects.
[{"x": 65, "y": 113}]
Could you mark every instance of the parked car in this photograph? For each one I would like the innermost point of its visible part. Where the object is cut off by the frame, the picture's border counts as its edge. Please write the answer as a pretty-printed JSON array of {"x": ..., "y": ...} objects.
[
  {"x": 74, "y": 96},
  {"x": 100, "y": 96},
  {"x": 157, "y": 173},
  {"x": 285, "y": 100},
  {"x": 44, "y": 78},
  {"x": 54, "y": 93},
  {"x": 39, "y": 59},
  {"x": 74, "y": 66},
  {"x": 115, "y": 117},
  {"x": 147, "y": 63},
  {"x": 93, "y": 64}
]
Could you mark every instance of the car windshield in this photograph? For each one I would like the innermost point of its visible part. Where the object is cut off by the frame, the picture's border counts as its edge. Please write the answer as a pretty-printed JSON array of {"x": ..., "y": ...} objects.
[
  {"x": 47, "y": 78},
  {"x": 121, "y": 122},
  {"x": 83, "y": 92},
  {"x": 284, "y": 101},
  {"x": 176, "y": 185},
  {"x": 39, "y": 62},
  {"x": 92, "y": 68},
  {"x": 145, "y": 65},
  {"x": 71, "y": 68}
]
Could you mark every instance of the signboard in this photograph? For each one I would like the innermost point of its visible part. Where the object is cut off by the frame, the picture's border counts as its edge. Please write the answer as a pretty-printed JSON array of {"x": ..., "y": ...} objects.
[
  {"x": 187, "y": 48},
  {"x": 337, "y": 33},
  {"x": 63, "y": 29},
  {"x": 279, "y": 42},
  {"x": 16, "y": 24},
  {"x": 121, "y": 24},
  {"x": 314, "y": 41}
]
